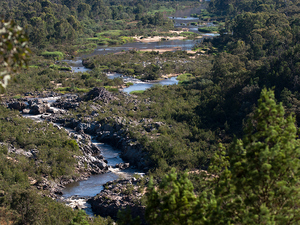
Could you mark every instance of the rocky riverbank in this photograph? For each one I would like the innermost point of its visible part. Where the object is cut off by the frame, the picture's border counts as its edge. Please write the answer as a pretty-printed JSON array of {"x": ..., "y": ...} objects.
[
  {"x": 117, "y": 195},
  {"x": 110, "y": 130}
]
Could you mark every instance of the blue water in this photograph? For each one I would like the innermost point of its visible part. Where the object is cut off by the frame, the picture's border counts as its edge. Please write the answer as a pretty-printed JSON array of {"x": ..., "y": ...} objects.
[{"x": 141, "y": 86}]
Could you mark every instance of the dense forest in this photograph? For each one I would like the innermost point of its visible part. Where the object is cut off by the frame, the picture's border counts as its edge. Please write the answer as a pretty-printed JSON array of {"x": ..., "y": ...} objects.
[
  {"x": 221, "y": 147},
  {"x": 49, "y": 23}
]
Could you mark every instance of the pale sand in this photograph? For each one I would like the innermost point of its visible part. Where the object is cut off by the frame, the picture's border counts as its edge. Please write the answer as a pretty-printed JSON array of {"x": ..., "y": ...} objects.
[
  {"x": 170, "y": 75},
  {"x": 159, "y": 38},
  {"x": 156, "y": 38},
  {"x": 180, "y": 31}
]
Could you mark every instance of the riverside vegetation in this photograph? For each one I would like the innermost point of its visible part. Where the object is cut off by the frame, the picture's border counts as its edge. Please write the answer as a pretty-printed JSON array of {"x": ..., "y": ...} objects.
[{"x": 193, "y": 126}]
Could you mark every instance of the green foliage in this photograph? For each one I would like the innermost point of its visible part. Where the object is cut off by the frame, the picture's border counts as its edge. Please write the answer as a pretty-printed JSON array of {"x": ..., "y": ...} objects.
[
  {"x": 255, "y": 183},
  {"x": 28, "y": 207},
  {"x": 79, "y": 219},
  {"x": 110, "y": 33},
  {"x": 264, "y": 167},
  {"x": 259, "y": 182},
  {"x": 184, "y": 77},
  {"x": 232, "y": 8},
  {"x": 57, "y": 78},
  {"x": 55, "y": 148},
  {"x": 55, "y": 55},
  {"x": 172, "y": 202},
  {"x": 61, "y": 23},
  {"x": 14, "y": 50},
  {"x": 125, "y": 218},
  {"x": 162, "y": 9},
  {"x": 188, "y": 34},
  {"x": 137, "y": 92},
  {"x": 154, "y": 64},
  {"x": 208, "y": 29}
]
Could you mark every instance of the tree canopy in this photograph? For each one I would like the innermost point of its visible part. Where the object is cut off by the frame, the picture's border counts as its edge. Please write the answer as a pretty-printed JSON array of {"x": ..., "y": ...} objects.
[
  {"x": 14, "y": 51},
  {"x": 254, "y": 182}
]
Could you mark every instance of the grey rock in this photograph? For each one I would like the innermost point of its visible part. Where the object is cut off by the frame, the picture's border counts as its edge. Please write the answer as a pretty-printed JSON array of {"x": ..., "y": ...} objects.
[
  {"x": 38, "y": 109},
  {"x": 17, "y": 105},
  {"x": 99, "y": 94}
]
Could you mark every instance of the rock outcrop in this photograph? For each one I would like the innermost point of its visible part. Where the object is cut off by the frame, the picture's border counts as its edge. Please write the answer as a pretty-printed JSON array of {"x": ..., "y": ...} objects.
[
  {"x": 99, "y": 94},
  {"x": 67, "y": 102},
  {"x": 17, "y": 105},
  {"x": 110, "y": 130},
  {"x": 118, "y": 195}
]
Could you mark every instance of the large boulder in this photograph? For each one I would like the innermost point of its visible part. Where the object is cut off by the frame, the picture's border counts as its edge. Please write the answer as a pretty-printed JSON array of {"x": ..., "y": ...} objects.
[
  {"x": 39, "y": 109},
  {"x": 99, "y": 94},
  {"x": 17, "y": 105}
]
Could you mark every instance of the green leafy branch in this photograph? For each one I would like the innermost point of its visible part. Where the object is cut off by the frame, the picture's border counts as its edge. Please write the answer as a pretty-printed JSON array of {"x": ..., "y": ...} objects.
[{"x": 14, "y": 50}]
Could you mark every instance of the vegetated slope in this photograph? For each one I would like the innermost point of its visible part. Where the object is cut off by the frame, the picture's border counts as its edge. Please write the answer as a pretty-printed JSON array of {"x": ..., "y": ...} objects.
[
  {"x": 255, "y": 50},
  {"x": 80, "y": 22},
  {"x": 30, "y": 152},
  {"x": 258, "y": 50},
  {"x": 254, "y": 181}
]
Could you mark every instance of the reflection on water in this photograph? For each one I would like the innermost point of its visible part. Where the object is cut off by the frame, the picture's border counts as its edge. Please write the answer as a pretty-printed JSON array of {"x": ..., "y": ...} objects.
[
  {"x": 184, "y": 18},
  {"x": 109, "y": 153},
  {"x": 145, "y": 85},
  {"x": 94, "y": 184},
  {"x": 76, "y": 65},
  {"x": 211, "y": 34},
  {"x": 183, "y": 44},
  {"x": 90, "y": 187}
]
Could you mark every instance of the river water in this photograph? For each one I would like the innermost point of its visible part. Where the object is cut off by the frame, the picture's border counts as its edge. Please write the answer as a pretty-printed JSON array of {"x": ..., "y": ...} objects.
[
  {"x": 181, "y": 19},
  {"x": 75, "y": 194},
  {"x": 92, "y": 186},
  {"x": 89, "y": 188}
]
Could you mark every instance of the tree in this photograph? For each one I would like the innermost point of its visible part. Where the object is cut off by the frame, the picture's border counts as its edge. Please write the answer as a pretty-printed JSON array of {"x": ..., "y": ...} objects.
[
  {"x": 14, "y": 51},
  {"x": 255, "y": 182},
  {"x": 38, "y": 31},
  {"x": 79, "y": 219},
  {"x": 27, "y": 204},
  {"x": 172, "y": 202},
  {"x": 260, "y": 185}
]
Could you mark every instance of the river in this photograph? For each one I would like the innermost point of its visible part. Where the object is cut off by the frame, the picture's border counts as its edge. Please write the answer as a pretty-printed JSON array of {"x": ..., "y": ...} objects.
[
  {"x": 76, "y": 193},
  {"x": 181, "y": 19},
  {"x": 92, "y": 186}
]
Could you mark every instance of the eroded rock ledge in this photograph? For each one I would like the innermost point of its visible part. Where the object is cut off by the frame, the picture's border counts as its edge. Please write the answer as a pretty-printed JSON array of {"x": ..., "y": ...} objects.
[{"x": 119, "y": 195}]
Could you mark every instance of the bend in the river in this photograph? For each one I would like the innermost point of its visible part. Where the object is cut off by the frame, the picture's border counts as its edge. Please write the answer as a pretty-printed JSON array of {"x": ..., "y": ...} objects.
[{"x": 181, "y": 19}]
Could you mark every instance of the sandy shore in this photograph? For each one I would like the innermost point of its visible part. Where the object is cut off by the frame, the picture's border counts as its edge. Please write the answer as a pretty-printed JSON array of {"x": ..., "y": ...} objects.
[
  {"x": 170, "y": 75},
  {"x": 157, "y": 38}
]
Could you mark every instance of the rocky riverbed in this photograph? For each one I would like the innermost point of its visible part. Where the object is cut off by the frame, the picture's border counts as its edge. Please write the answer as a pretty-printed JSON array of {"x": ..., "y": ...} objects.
[{"x": 112, "y": 131}]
